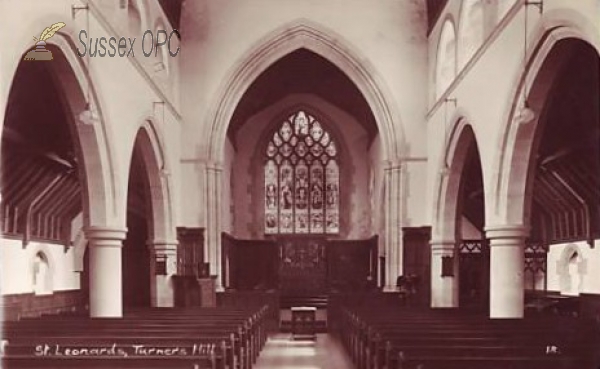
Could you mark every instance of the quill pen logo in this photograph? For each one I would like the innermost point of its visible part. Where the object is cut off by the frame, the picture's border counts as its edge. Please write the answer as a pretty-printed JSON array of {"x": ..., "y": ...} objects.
[{"x": 40, "y": 52}]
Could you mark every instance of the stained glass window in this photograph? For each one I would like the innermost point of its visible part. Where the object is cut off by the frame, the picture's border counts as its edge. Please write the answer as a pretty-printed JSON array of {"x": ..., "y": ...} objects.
[{"x": 302, "y": 178}]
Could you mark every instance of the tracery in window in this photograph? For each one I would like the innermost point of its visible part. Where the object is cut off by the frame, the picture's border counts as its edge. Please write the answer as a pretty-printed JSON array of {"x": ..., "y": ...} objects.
[{"x": 301, "y": 179}]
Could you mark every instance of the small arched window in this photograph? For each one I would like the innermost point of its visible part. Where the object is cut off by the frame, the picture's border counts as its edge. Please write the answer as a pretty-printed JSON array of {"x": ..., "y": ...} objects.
[
  {"x": 471, "y": 30},
  {"x": 446, "y": 58},
  {"x": 301, "y": 178},
  {"x": 570, "y": 271},
  {"x": 42, "y": 276}
]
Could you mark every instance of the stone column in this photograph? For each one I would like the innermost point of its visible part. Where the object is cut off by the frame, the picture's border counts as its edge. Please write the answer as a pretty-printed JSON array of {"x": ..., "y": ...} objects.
[
  {"x": 444, "y": 286},
  {"x": 213, "y": 221},
  {"x": 506, "y": 270},
  {"x": 106, "y": 280},
  {"x": 164, "y": 256},
  {"x": 393, "y": 225}
]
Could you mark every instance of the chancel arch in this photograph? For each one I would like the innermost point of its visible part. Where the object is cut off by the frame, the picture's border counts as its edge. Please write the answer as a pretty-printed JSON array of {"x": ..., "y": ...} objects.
[
  {"x": 297, "y": 36},
  {"x": 258, "y": 137},
  {"x": 304, "y": 38},
  {"x": 304, "y": 34}
]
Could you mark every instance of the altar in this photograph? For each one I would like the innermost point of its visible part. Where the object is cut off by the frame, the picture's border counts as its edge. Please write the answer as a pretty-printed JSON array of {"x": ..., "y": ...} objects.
[{"x": 304, "y": 322}]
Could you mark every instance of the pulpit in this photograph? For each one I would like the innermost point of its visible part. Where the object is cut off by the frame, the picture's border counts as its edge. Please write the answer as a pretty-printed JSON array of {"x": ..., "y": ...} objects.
[
  {"x": 304, "y": 322},
  {"x": 208, "y": 294}
]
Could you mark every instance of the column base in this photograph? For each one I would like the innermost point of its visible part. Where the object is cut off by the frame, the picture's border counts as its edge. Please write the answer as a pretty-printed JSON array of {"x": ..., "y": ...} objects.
[
  {"x": 165, "y": 294},
  {"x": 507, "y": 288},
  {"x": 106, "y": 282},
  {"x": 444, "y": 287},
  {"x": 389, "y": 289}
]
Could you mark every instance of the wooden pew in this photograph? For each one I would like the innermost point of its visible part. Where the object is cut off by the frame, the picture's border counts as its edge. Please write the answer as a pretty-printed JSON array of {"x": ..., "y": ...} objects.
[
  {"x": 155, "y": 338},
  {"x": 390, "y": 337}
]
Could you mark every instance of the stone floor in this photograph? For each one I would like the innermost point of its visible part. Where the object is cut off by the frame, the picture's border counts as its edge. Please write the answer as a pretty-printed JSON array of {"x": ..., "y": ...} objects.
[{"x": 284, "y": 353}]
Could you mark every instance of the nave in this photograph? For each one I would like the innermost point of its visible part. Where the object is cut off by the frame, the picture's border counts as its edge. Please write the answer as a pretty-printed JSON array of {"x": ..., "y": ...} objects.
[{"x": 172, "y": 211}]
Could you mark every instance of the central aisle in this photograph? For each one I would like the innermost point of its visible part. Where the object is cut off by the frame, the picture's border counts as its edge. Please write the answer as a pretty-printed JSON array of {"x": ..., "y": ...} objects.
[{"x": 282, "y": 352}]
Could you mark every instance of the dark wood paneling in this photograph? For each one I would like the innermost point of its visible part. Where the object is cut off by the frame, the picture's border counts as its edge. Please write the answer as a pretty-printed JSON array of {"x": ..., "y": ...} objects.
[
  {"x": 590, "y": 306},
  {"x": 252, "y": 264},
  {"x": 190, "y": 252},
  {"x": 417, "y": 260},
  {"x": 301, "y": 265},
  {"x": 352, "y": 265},
  {"x": 31, "y": 305},
  {"x": 136, "y": 263}
]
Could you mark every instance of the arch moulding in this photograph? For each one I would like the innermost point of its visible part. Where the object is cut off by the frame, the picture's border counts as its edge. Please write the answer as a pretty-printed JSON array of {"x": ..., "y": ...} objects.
[
  {"x": 515, "y": 145},
  {"x": 451, "y": 165},
  {"x": 153, "y": 153},
  {"x": 74, "y": 77},
  {"x": 284, "y": 40}
]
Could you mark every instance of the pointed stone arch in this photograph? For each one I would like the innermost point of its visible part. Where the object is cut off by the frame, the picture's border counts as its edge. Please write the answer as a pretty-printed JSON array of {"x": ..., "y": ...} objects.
[
  {"x": 460, "y": 138},
  {"x": 102, "y": 219},
  {"x": 284, "y": 40},
  {"x": 517, "y": 142},
  {"x": 152, "y": 152},
  {"x": 149, "y": 160},
  {"x": 458, "y": 145},
  {"x": 76, "y": 84}
]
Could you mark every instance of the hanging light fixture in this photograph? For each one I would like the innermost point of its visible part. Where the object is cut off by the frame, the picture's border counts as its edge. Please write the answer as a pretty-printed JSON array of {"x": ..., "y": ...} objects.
[
  {"x": 525, "y": 114},
  {"x": 88, "y": 116}
]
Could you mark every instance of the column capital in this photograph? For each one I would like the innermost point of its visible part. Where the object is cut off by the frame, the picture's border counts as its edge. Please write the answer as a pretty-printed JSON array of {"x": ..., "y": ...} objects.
[
  {"x": 105, "y": 233},
  {"x": 437, "y": 241},
  {"x": 163, "y": 245},
  {"x": 213, "y": 165},
  {"x": 442, "y": 245},
  {"x": 162, "y": 242},
  {"x": 392, "y": 164},
  {"x": 506, "y": 231}
]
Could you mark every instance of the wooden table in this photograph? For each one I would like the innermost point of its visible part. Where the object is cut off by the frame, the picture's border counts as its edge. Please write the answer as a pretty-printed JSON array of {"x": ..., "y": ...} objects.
[{"x": 304, "y": 322}]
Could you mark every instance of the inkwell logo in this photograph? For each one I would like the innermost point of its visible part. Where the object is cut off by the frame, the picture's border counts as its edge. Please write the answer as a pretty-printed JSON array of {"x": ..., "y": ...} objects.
[{"x": 40, "y": 52}]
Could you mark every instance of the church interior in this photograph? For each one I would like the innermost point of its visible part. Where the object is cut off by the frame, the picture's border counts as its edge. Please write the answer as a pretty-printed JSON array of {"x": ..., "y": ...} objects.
[{"x": 400, "y": 184}]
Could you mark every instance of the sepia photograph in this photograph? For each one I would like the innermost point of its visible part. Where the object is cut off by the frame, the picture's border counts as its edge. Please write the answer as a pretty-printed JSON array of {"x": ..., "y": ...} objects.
[{"x": 300, "y": 184}]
